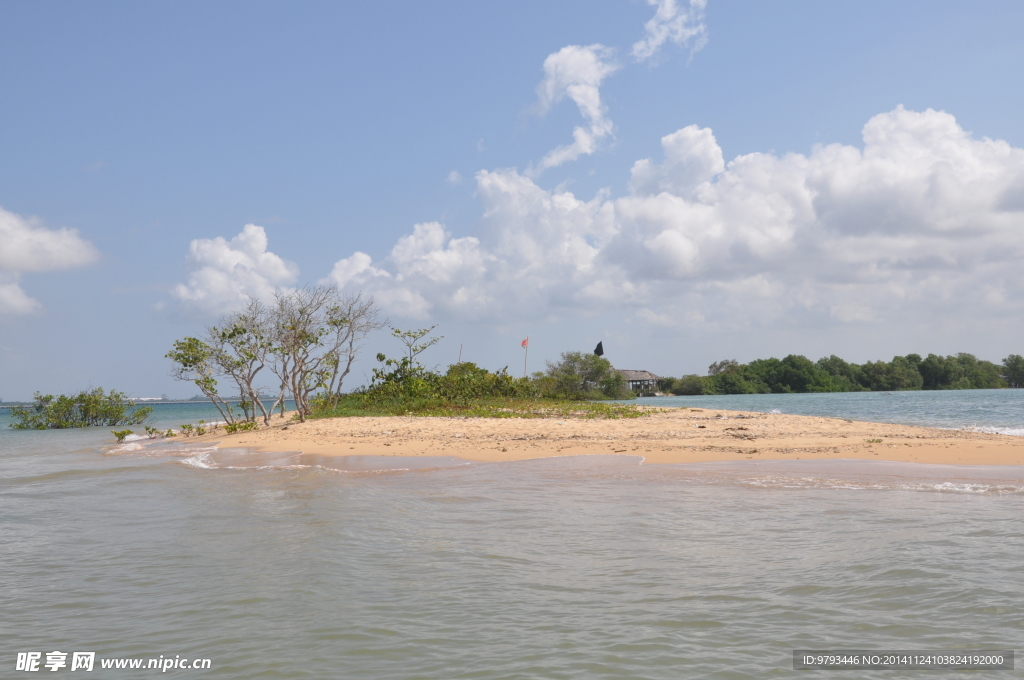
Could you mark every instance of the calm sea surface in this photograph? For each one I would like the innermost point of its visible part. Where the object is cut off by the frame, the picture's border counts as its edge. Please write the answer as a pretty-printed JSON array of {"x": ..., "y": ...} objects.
[
  {"x": 580, "y": 567},
  {"x": 990, "y": 410}
]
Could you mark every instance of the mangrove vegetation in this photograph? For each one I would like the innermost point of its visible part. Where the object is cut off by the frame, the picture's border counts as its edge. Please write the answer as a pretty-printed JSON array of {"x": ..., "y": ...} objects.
[
  {"x": 797, "y": 373},
  {"x": 88, "y": 408}
]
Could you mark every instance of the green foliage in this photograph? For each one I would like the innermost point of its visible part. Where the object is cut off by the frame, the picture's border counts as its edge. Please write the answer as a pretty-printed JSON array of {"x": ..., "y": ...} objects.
[
  {"x": 1012, "y": 370},
  {"x": 411, "y": 340},
  {"x": 582, "y": 376},
  {"x": 308, "y": 339},
  {"x": 245, "y": 426},
  {"x": 845, "y": 377},
  {"x": 85, "y": 409},
  {"x": 723, "y": 366},
  {"x": 353, "y": 405},
  {"x": 898, "y": 374},
  {"x": 404, "y": 387},
  {"x": 196, "y": 362},
  {"x": 399, "y": 381},
  {"x": 691, "y": 385},
  {"x": 121, "y": 435},
  {"x": 796, "y": 373}
]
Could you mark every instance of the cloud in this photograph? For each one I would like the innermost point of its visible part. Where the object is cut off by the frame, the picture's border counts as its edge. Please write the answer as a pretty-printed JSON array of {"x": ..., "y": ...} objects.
[
  {"x": 26, "y": 245},
  {"x": 683, "y": 26},
  {"x": 223, "y": 274},
  {"x": 454, "y": 178},
  {"x": 14, "y": 300},
  {"x": 577, "y": 72},
  {"x": 692, "y": 156},
  {"x": 536, "y": 252},
  {"x": 922, "y": 219}
]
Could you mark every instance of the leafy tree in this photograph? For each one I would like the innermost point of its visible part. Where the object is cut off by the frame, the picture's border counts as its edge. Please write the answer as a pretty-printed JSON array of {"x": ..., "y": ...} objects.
[
  {"x": 581, "y": 375},
  {"x": 961, "y": 372},
  {"x": 411, "y": 340},
  {"x": 768, "y": 372},
  {"x": 846, "y": 377},
  {"x": 405, "y": 377},
  {"x": 317, "y": 333},
  {"x": 691, "y": 385},
  {"x": 352, "y": 318},
  {"x": 194, "y": 362},
  {"x": 898, "y": 374},
  {"x": 735, "y": 383},
  {"x": 724, "y": 366},
  {"x": 241, "y": 346},
  {"x": 1012, "y": 370},
  {"x": 308, "y": 338},
  {"x": 85, "y": 409},
  {"x": 981, "y": 374},
  {"x": 796, "y": 373}
]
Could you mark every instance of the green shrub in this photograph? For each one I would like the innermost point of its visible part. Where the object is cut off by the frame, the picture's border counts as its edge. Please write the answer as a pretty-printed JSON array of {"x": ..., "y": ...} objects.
[
  {"x": 582, "y": 376},
  {"x": 120, "y": 434},
  {"x": 690, "y": 385},
  {"x": 85, "y": 409}
]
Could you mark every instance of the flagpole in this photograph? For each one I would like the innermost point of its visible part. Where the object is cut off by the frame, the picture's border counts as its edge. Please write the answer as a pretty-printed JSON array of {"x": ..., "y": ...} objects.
[{"x": 526, "y": 354}]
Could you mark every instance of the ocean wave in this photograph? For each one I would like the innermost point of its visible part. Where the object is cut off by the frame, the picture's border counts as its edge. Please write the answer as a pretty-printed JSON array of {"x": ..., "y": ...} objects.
[
  {"x": 203, "y": 462},
  {"x": 963, "y": 487},
  {"x": 200, "y": 462}
]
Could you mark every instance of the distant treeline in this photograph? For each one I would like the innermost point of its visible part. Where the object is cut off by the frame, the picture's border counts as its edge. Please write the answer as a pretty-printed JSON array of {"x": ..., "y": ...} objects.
[{"x": 797, "y": 373}]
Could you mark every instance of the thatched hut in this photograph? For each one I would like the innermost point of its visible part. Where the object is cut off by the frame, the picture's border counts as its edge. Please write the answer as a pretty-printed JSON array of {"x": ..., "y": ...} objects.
[{"x": 643, "y": 382}]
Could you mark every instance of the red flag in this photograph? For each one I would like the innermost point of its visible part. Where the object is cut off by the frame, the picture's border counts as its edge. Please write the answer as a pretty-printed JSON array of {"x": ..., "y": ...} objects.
[{"x": 526, "y": 342}]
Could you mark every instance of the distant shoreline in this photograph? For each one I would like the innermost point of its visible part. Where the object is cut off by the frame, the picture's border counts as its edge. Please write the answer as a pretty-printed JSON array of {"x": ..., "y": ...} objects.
[
  {"x": 683, "y": 435},
  {"x": 139, "y": 402}
]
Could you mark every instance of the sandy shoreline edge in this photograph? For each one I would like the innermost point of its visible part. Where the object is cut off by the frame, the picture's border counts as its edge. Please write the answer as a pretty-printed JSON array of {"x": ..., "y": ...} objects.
[{"x": 676, "y": 435}]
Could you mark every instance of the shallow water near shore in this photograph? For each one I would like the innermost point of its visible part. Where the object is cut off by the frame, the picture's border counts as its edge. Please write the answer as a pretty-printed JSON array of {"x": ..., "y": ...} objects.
[
  {"x": 293, "y": 566},
  {"x": 998, "y": 411}
]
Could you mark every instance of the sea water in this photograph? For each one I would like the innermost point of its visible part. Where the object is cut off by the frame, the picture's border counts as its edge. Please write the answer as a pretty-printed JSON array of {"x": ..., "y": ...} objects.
[
  {"x": 575, "y": 567},
  {"x": 997, "y": 411}
]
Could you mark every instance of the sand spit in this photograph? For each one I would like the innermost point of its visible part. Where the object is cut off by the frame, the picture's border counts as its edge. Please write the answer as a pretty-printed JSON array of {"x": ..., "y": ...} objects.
[{"x": 665, "y": 436}]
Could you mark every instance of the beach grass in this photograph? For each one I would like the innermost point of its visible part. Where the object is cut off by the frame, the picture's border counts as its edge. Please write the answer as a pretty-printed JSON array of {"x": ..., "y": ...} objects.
[{"x": 489, "y": 407}]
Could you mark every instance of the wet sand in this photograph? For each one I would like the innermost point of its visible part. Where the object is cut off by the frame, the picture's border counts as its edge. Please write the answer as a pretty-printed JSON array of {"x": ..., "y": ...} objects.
[{"x": 683, "y": 435}]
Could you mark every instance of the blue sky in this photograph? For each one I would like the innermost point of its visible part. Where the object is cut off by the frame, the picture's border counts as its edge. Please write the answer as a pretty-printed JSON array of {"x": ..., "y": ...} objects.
[{"x": 802, "y": 212}]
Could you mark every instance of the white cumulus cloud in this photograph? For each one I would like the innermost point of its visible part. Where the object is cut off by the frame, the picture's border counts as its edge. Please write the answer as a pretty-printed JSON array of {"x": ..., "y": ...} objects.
[
  {"x": 692, "y": 156},
  {"x": 223, "y": 274},
  {"x": 576, "y": 72},
  {"x": 682, "y": 25},
  {"x": 26, "y": 245},
  {"x": 923, "y": 218}
]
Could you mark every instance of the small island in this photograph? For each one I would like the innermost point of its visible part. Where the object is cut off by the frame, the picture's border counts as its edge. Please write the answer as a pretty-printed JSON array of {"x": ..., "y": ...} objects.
[{"x": 308, "y": 340}]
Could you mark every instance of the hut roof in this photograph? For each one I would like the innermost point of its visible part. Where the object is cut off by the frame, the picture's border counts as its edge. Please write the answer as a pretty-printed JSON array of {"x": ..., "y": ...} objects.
[{"x": 637, "y": 375}]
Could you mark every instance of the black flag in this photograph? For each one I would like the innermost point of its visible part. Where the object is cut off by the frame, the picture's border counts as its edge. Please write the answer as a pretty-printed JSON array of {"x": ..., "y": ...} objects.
[{"x": 599, "y": 350}]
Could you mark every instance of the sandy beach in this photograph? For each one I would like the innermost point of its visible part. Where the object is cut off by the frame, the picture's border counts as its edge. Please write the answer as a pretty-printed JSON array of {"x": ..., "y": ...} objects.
[{"x": 683, "y": 435}]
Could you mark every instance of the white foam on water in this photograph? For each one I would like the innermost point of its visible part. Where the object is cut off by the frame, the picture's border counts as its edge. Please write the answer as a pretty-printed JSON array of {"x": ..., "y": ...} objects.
[
  {"x": 201, "y": 461},
  {"x": 1011, "y": 431},
  {"x": 786, "y": 482},
  {"x": 265, "y": 468},
  {"x": 125, "y": 448}
]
